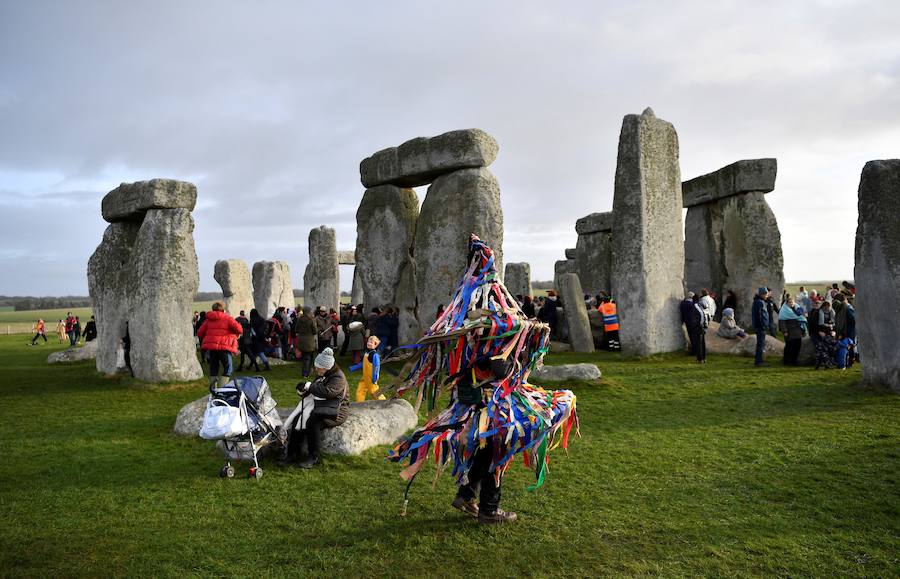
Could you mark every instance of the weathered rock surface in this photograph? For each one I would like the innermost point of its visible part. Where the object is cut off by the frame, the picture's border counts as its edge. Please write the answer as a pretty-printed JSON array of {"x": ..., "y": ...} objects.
[
  {"x": 233, "y": 276},
  {"x": 593, "y": 262},
  {"x": 347, "y": 257},
  {"x": 595, "y": 223},
  {"x": 517, "y": 278},
  {"x": 130, "y": 201},
  {"x": 385, "y": 234},
  {"x": 648, "y": 242},
  {"x": 356, "y": 292},
  {"x": 165, "y": 265},
  {"x": 190, "y": 418},
  {"x": 456, "y": 205},
  {"x": 112, "y": 284},
  {"x": 732, "y": 242},
  {"x": 740, "y": 177},
  {"x": 716, "y": 344},
  {"x": 562, "y": 267},
  {"x": 321, "y": 280},
  {"x": 576, "y": 314},
  {"x": 807, "y": 355},
  {"x": 571, "y": 253},
  {"x": 597, "y": 332},
  {"x": 272, "y": 286},
  {"x": 877, "y": 273},
  {"x": 562, "y": 372},
  {"x": 86, "y": 352},
  {"x": 420, "y": 161},
  {"x": 369, "y": 424}
]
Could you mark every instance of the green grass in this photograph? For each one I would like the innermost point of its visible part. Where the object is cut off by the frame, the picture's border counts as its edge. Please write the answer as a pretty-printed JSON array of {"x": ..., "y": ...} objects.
[{"x": 681, "y": 470}]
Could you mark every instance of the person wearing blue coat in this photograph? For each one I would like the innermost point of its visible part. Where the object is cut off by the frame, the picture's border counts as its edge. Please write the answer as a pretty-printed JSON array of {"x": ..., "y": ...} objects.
[{"x": 760, "y": 315}]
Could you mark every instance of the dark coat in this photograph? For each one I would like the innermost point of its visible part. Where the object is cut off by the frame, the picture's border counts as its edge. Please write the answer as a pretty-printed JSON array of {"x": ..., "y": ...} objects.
[
  {"x": 690, "y": 315},
  {"x": 258, "y": 327},
  {"x": 306, "y": 330},
  {"x": 760, "y": 315},
  {"x": 333, "y": 387}
]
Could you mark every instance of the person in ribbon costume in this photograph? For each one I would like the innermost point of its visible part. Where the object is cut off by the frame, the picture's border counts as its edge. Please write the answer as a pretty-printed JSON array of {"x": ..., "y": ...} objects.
[{"x": 483, "y": 348}]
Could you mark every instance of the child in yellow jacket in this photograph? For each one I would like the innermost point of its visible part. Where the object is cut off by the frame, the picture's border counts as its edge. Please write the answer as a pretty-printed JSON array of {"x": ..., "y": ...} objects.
[{"x": 371, "y": 368}]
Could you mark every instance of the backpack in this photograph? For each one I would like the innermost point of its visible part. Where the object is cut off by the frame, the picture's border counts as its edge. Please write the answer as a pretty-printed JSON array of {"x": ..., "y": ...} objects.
[{"x": 812, "y": 322}]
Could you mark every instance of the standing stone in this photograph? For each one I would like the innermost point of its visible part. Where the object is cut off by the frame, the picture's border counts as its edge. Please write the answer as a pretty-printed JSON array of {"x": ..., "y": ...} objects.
[
  {"x": 560, "y": 268},
  {"x": 385, "y": 234},
  {"x": 648, "y": 241},
  {"x": 877, "y": 273},
  {"x": 165, "y": 267},
  {"x": 732, "y": 240},
  {"x": 356, "y": 292},
  {"x": 576, "y": 314},
  {"x": 517, "y": 279},
  {"x": 112, "y": 284},
  {"x": 456, "y": 205},
  {"x": 420, "y": 161},
  {"x": 234, "y": 278},
  {"x": 271, "y": 286},
  {"x": 321, "y": 281},
  {"x": 144, "y": 275},
  {"x": 593, "y": 261}
]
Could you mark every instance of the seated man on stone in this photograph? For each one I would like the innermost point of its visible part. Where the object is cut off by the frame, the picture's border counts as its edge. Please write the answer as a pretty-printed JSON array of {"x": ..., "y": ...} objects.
[{"x": 728, "y": 328}]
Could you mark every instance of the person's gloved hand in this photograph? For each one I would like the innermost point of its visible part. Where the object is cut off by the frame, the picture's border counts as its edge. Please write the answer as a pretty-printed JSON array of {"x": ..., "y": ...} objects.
[{"x": 302, "y": 388}]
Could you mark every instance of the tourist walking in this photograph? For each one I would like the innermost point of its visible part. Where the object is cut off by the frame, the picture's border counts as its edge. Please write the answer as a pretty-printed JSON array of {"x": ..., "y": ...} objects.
[
  {"x": 307, "y": 343},
  {"x": 245, "y": 343},
  {"x": 794, "y": 329},
  {"x": 258, "y": 329},
  {"x": 335, "y": 327},
  {"x": 690, "y": 320},
  {"x": 219, "y": 338},
  {"x": 330, "y": 407},
  {"x": 61, "y": 331},
  {"x": 356, "y": 340},
  {"x": 90, "y": 330},
  {"x": 760, "y": 316},
  {"x": 76, "y": 327},
  {"x": 323, "y": 328},
  {"x": 70, "y": 329},
  {"x": 39, "y": 331}
]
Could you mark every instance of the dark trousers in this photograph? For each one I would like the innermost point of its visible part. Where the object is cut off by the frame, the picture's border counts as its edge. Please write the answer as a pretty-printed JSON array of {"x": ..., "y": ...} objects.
[
  {"x": 760, "y": 346},
  {"x": 217, "y": 359},
  {"x": 306, "y": 362},
  {"x": 38, "y": 335},
  {"x": 72, "y": 338},
  {"x": 481, "y": 482},
  {"x": 246, "y": 352},
  {"x": 312, "y": 434},
  {"x": 698, "y": 343},
  {"x": 345, "y": 342},
  {"x": 792, "y": 351},
  {"x": 692, "y": 335}
]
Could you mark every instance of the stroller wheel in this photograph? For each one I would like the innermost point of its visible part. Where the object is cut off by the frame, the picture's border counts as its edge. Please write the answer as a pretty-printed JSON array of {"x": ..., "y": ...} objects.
[
  {"x": 256, "y": 472},
  {"x": 227, "y": 471}
]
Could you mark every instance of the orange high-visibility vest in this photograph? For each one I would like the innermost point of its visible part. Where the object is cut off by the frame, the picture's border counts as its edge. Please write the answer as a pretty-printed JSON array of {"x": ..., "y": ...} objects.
[{"x": 610, "y": 318}]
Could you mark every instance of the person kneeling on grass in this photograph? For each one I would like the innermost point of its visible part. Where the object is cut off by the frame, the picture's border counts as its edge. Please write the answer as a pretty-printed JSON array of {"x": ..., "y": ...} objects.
[
  {"x": 324, "y": 403},
  {"x": 218, "y": 336},
  {"x": 371, "y": 368}
]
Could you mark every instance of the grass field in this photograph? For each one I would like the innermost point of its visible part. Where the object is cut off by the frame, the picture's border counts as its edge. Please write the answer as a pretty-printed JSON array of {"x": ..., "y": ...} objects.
[{"x": 681, "y": 470}]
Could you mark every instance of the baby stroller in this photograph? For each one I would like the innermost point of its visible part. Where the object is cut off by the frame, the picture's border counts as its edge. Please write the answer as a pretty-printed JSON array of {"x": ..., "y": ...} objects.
[{"x": 242, "y": 415}]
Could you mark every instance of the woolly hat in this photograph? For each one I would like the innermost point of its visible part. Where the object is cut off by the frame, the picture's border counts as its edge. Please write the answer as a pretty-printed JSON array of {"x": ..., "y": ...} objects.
[
  {"x": 728, "y": 313},
  {"x": 325, "y": 359},
  {"x": 762, "y": 291}
]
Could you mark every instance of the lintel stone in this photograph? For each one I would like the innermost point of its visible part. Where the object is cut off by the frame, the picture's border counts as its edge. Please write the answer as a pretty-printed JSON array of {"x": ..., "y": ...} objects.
[{"x": 744, "y": 176}]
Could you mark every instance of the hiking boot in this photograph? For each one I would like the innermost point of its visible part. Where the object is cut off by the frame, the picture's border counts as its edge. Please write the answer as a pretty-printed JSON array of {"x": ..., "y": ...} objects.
[
  {"x": 500, "y": 516},
  {"x": 468, "y": 507},
  {"x": 309, "y": 462}
]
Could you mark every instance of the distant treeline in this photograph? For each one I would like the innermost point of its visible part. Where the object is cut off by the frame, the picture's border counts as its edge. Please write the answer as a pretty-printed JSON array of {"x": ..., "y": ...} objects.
[{"x": 24, "y": 303}]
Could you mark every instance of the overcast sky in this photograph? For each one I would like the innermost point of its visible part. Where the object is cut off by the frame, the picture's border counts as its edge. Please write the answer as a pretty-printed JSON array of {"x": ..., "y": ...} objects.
[{"x": 269, "y": 107}]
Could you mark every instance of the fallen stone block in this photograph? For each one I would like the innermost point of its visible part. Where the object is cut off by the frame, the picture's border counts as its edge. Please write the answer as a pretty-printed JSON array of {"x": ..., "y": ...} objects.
[
  {"x": 86, "y": 352},
  {"x": 586, "y": 372}
]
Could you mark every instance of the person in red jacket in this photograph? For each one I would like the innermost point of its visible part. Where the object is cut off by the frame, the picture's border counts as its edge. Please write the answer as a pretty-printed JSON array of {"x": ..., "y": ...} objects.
[{"x": 218, "y": 335}]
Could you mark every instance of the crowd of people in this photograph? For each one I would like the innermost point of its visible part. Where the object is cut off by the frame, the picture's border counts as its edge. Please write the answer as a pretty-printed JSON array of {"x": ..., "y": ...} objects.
[
  {"x": 66, "y": 330},
  {"x": 828, "y": 318}
]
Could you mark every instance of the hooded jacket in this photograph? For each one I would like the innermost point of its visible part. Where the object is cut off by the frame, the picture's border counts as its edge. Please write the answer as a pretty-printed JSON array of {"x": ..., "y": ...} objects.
[{"x": 219, "y": 332}]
